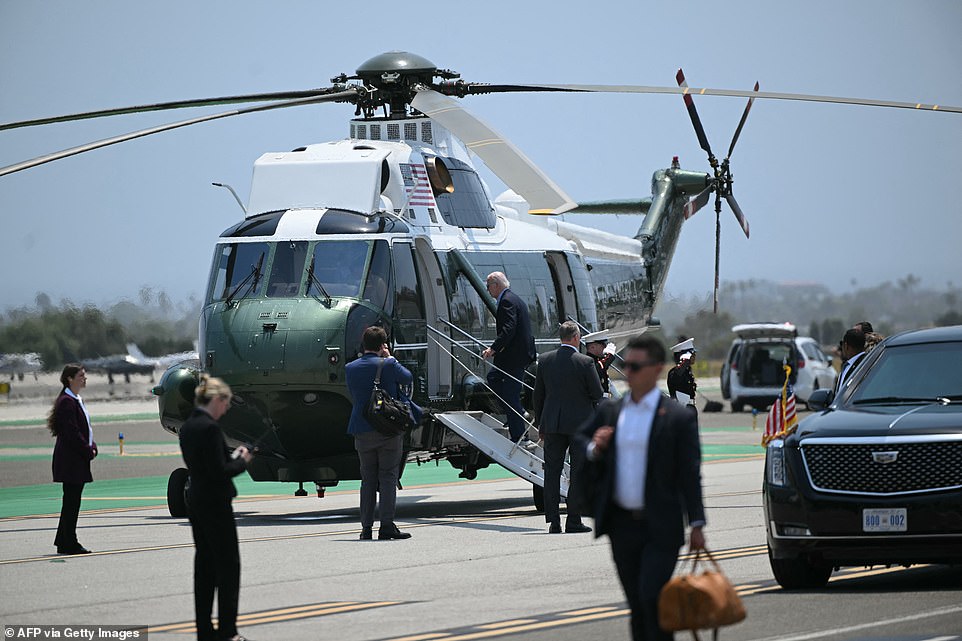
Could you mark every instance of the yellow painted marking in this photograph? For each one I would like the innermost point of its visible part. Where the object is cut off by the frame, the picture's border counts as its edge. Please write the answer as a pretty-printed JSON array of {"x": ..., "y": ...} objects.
[
  {"x": 283, "y": 614},
  {"x": 935, "y": 107},
  {"x": 684, "y": 91},
  {"x": 260, "y": 539},
  {"x": 918, "y": 105},
  {"x": 702, "y": 92},
  {"x": 536, "y": 626},
  {"x": 587, "y": 611},
  {"x": 505, "y": 624},
  {"x": 541, "y": 212}
]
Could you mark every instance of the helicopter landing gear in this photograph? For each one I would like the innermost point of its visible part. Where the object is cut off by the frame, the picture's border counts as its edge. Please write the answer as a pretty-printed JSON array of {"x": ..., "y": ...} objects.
[
  {"x": 177, "y": 485},
  {"x": 538, "y": 495},
  {"x": 300, "y": 491}
]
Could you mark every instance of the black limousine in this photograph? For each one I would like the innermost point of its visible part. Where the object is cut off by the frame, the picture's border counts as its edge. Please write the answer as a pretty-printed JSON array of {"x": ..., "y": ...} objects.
[{"x": 874, "y": 477}]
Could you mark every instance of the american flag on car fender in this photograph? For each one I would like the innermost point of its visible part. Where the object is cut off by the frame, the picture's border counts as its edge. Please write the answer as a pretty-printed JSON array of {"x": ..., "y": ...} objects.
[{"x": 782, "y": 419}]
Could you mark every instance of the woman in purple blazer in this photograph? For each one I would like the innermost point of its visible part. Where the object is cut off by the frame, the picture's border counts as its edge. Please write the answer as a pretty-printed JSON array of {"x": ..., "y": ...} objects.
[{"x": 69, "y": 421}]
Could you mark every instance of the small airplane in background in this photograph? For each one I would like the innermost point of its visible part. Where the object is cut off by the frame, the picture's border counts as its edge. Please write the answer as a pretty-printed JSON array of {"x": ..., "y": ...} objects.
[
  {"x": 20, "y": 364},
  {"x": 161, "y": 362},
  {"x": 118, "y": 364}
]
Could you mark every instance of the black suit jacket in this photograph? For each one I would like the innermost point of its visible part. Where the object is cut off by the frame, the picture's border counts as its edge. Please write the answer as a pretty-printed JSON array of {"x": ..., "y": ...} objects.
[
  {"x": 514, "y": 347},
  {"x": 208, "y": 461},
  {"x": 672, "y": 480},
  {"x": 566, "y": 390},
  {"x": 72, "y": 453}
]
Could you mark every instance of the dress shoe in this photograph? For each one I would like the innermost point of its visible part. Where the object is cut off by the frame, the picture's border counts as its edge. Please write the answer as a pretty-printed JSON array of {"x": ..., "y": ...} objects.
[
  {"x": 72, "y": 549},
  {"x": 576, "y": 528},
  {"x": 554, "y": 528},
  {"x": 366, "y": 534},
  {"x": 391, "y": 532}
]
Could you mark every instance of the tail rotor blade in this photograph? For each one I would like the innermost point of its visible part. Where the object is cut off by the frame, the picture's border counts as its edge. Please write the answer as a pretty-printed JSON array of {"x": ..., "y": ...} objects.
[
  {"x": 739, "y": 215},
  {"x": 741, "y": 123},
  {"x": 696, "y": 203},
  {"x": 693, "y": 113}
]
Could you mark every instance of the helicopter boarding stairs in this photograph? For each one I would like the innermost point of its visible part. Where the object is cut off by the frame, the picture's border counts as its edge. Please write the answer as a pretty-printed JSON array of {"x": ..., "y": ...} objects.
[{"x": 490, "y": 436}]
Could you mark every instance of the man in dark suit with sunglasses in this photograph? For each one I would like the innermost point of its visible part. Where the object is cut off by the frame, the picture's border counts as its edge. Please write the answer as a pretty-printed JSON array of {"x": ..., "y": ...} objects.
[{"x": 644, "y": 465}]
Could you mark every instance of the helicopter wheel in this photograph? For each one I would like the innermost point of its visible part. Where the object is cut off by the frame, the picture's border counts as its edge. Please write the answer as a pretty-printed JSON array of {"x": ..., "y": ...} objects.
[
  {"x": 538, "y": 494},
  {"x": 177, "y": 485}
]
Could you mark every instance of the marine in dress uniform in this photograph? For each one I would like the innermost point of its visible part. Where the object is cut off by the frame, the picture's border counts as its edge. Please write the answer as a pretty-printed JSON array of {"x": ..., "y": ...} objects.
[
  {"x": 603, "y": 351},
  {"x": 680, "y": 377}
]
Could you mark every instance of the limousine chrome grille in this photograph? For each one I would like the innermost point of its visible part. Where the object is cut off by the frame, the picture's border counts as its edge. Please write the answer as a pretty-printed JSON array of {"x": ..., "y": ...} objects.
[{"x": 886, "y": 467}]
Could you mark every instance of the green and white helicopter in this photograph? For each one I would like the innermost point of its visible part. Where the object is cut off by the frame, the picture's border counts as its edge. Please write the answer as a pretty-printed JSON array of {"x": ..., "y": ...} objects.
[{"x": 394, "y": 226}]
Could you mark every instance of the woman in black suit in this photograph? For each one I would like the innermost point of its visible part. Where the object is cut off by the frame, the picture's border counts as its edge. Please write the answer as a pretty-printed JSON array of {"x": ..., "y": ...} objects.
[
  {"x": 211, "y": 467},
  {"x": 69, "y": 421}
]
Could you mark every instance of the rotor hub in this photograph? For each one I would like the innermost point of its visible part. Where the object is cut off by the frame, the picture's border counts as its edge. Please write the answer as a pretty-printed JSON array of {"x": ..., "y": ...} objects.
[{"x": 391, "y": 79}]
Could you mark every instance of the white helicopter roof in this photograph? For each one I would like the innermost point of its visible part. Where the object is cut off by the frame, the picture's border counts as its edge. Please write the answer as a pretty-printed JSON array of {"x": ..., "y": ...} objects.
[{"x": 338, "y": 175}]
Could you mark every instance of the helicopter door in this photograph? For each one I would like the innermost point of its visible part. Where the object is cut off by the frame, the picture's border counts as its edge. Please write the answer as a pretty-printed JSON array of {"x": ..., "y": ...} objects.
[
  {"x": 435, "y": 306},
  {"x": 564, "y": 286},
  {"x": 410, "y": 331}
]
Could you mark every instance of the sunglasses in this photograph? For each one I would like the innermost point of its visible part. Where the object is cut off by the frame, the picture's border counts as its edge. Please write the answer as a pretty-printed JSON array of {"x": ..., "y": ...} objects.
[{"x": 634, "y": 366}]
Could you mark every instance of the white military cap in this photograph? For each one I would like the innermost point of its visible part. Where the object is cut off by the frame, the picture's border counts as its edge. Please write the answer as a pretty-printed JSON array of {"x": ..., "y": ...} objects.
[
  {"x": 596, "y": 337},
  {"x": 684, "y": 346}
]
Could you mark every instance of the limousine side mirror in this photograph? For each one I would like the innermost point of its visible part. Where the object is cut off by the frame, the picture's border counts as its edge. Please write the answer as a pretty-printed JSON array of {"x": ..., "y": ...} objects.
[{"x": 820, "y": 399}]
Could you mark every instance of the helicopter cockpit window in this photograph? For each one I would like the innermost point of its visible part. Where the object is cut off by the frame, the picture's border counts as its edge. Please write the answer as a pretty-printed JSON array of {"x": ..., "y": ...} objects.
[
  {"x": 238, "y": 270},
  {"x": 259, "y": 225},
  {"x": 287, "y": 269},
  {"x": 377, "y": 287},
  {"x": 339, "y": 266},
  {"x": 468, "y": 205}
]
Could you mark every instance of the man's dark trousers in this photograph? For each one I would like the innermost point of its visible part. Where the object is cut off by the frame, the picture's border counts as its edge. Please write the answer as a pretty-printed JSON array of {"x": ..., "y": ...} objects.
[
  {"x": 644, "y": 567},
  {"x": 555, "y": 447},
  {"x": 508, "y": 388}
]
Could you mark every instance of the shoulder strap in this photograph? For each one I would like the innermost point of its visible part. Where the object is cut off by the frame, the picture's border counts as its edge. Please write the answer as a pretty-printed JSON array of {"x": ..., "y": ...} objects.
[{"x": 377, "y": 377}]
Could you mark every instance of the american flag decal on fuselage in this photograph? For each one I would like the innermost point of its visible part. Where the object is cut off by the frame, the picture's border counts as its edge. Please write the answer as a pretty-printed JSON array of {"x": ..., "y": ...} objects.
[{"x": 417, "y": 185}]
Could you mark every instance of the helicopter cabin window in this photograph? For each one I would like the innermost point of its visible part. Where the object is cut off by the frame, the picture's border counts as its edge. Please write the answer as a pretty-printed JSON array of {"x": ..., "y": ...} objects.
[
  {"x": 467, "y": 205},
  {"x": 338, "y": 266},
  {"x": 409, "y": 308},
  {"x": 287, "y": 269},
  {"x": 377, "y": 286},
  {"x": 238, "y": 270}
]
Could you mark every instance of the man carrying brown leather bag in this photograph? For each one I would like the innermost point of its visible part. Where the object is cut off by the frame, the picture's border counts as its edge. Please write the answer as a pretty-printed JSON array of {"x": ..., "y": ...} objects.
[{"x": 699, "y": 601}]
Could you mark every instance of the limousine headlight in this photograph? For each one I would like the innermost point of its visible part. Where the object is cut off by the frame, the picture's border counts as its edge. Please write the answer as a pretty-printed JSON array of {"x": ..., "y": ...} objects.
[{"x": 775, "y": 463}]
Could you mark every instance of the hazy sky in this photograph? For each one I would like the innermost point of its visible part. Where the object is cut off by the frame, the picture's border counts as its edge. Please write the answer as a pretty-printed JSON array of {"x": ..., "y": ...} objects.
[{"x": 833, "y": 193}]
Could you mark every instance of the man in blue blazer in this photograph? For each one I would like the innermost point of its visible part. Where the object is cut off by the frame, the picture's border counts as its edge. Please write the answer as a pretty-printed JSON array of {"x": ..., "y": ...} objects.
[
  {"x": 644, "y": 468},
  {"x": 379, "y": 454},
  {"x": 513, "y": 350}
]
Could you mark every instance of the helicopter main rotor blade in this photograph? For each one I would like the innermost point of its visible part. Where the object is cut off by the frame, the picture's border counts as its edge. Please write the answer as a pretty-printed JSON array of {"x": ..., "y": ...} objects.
[
  {"x": 501, "y": 157},
  {"x": 73, "y": 151},
  {"x": 739, "y": 216},
  {"x": 741, "y": 123},
  {"x": 480, "y": 88},
  {"x": 164, "y": 106},
  {"x": 693, "y": 113},
  {"x": 699, "y": 201}
]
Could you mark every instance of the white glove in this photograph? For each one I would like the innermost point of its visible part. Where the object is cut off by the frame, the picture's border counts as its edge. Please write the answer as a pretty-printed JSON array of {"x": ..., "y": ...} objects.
[{"x": 609, "y": 349}]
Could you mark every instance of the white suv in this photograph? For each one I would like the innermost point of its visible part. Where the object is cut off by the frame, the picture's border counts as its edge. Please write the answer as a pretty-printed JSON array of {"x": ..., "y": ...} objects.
[{"x": 752, "y": 373}]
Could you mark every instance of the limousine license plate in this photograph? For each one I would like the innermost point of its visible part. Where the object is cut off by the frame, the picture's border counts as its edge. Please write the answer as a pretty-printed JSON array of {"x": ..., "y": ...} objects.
[{"x": 885, "y": 520}]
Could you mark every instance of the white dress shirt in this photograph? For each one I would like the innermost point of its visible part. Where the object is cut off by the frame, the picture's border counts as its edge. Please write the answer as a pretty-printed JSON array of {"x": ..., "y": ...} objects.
[
  {"x": 845, "y": 368},
  {"x": 631, "y": 440},
  {"x": 90, "y": 428}
]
